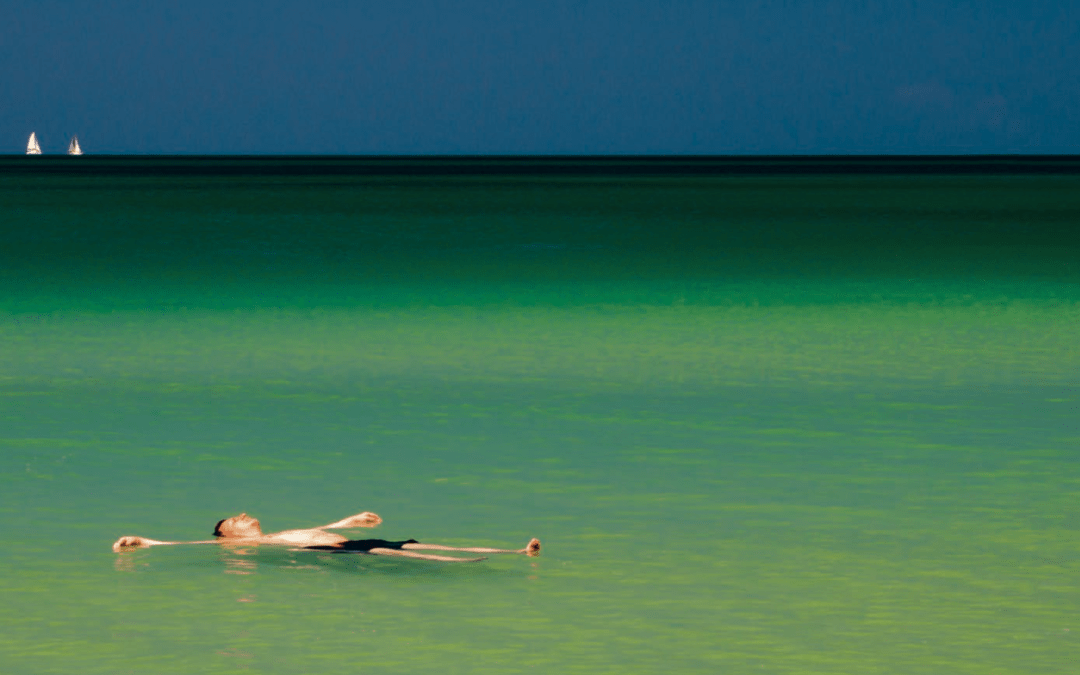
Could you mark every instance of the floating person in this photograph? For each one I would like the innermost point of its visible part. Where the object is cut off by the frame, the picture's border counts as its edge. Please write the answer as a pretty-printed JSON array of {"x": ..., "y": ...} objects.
[{"x": 245, "y": 530}]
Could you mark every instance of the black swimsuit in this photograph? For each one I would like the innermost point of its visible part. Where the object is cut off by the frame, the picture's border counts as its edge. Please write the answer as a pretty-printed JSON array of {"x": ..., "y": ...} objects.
[{"x": 362, "y": 545}]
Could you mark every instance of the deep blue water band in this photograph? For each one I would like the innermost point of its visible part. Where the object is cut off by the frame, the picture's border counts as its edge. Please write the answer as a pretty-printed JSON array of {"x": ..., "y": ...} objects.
[{"x": 449, "y": 165}]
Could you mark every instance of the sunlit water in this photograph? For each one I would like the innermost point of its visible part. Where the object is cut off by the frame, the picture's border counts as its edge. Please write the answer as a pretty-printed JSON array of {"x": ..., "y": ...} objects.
[{"x": 772, "y": 424}]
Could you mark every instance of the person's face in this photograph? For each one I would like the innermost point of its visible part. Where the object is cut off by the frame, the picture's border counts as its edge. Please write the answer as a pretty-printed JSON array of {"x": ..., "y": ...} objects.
[{"x": 241, "y": 526}]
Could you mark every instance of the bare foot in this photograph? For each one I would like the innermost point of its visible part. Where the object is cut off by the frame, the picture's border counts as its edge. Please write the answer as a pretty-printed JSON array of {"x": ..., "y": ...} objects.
[{"x": 532, "y": 548}]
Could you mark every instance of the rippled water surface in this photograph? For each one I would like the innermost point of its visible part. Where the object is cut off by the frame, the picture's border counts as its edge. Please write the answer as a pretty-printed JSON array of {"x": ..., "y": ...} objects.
[{"x": 802, "y": 423}]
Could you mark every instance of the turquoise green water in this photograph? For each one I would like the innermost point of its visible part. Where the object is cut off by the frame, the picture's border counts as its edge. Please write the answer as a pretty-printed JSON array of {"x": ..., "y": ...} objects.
[{"x": 773, "y": 424}]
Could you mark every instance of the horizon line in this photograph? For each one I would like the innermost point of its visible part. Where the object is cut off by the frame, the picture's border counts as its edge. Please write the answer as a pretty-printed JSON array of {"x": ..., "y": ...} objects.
[{"x": 560, "y": 156}]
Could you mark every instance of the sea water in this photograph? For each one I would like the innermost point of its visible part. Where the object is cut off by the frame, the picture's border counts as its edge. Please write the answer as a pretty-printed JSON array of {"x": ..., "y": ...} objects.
[{"x": 761, "y": 422}]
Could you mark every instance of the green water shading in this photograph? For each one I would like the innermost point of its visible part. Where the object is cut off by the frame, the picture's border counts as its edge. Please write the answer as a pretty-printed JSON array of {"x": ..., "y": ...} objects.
[
  {"x": 856, "y": 510},
  {"x": 745, "y": 450},
  {"x": 230, "y": 242},
  {"x": 995, "y": 340}
]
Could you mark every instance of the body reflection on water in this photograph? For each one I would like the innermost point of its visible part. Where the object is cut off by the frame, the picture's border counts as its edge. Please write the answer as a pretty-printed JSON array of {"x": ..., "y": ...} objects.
[{"x": 240, "y": 560}]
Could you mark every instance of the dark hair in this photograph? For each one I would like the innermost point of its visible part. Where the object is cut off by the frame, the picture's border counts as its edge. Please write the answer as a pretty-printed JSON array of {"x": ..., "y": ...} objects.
[{"x": 217, "y": 528}]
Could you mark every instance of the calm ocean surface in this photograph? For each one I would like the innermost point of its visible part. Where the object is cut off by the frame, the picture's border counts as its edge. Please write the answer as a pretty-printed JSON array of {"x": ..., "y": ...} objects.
[{"x": 820, "y": 420}]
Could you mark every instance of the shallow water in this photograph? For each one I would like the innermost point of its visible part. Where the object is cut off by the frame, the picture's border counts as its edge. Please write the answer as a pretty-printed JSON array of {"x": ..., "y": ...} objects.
[{"x": 768, "y": 424}]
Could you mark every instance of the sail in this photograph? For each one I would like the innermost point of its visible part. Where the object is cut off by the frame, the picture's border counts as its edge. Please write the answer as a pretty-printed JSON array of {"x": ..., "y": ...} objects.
[
  {"x": 32, "y": 147},
  {"x": 73, "y": 147}
]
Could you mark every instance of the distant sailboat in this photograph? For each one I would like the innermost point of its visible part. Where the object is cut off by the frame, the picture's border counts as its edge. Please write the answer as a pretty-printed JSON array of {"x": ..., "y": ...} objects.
[
  {"x": 73, "y": 147},
  {"x": 32, "y": 147}
]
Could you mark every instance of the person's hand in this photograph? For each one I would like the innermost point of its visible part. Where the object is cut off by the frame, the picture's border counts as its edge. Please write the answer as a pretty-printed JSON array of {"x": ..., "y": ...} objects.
[{"x": 129, "y": 542}]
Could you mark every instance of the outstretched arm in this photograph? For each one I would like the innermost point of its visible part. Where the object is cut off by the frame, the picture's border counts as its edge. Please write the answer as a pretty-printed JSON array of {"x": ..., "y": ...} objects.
[
  {"x": 531, "y": 549},
  {"x": 365, "y": 519},
  {"x": 130, "y": 542}
]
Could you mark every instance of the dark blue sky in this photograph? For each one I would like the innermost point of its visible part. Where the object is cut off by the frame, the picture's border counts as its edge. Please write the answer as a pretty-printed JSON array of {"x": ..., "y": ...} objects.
[{"x": 502, "y": 76}]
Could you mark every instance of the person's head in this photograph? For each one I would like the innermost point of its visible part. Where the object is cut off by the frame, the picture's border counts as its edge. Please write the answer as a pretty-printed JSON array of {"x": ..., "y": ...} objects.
[{"x": 238, "y": 527}]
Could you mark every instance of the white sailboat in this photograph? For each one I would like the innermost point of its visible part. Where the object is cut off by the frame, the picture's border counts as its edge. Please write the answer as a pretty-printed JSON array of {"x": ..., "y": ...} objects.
[
  {"x": 32, "y": 147},
  {"x": 73, "y": 147}
]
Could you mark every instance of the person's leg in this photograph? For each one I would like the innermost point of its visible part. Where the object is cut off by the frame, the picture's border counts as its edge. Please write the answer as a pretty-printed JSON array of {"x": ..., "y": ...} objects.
[
  {"x": 531, "y": 549},
  {"x": 420, "y": 556}
]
